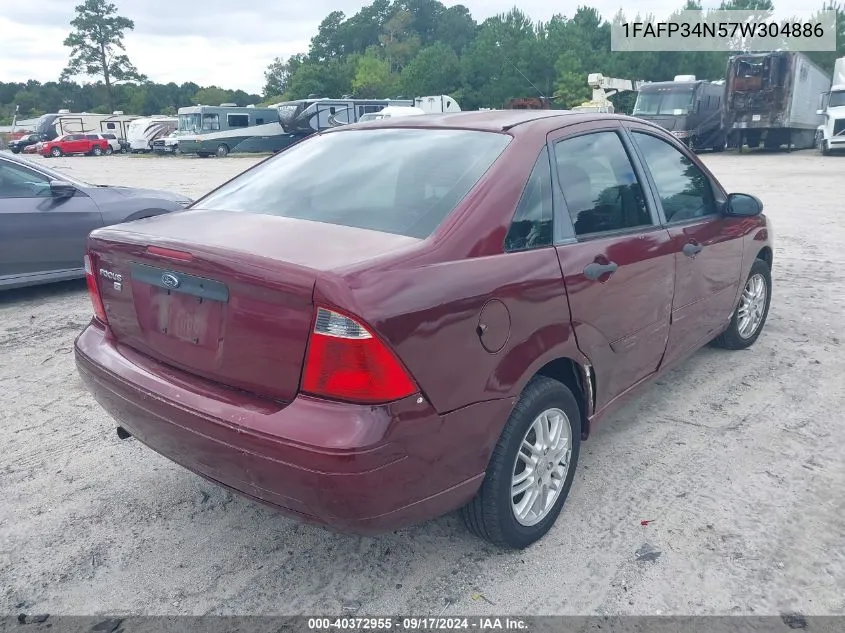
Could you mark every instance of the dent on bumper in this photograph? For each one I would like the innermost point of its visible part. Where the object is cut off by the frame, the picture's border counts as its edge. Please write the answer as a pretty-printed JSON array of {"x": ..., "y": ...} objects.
[{"x": 355, "y": 468}]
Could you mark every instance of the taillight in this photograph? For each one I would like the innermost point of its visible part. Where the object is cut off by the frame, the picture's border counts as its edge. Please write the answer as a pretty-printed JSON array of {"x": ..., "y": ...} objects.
[
  {"x": 93, "y": 288},
  {"x": 345, "y": 361}
]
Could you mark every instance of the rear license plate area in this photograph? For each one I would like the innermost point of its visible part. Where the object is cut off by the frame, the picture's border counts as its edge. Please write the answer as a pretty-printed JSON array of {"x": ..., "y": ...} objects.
[{"x": 179, "y": 306}]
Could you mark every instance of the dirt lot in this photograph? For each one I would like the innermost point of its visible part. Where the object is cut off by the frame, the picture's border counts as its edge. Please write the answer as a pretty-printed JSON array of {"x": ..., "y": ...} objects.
[{"x": 736, "y": 456}]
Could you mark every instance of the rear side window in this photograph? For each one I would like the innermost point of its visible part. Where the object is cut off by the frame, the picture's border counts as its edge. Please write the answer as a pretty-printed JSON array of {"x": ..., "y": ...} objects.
[
  {"x": 532, "y": 221},
  {"x": 401, "y": 181},
  {"x": 92, "y": 137}
]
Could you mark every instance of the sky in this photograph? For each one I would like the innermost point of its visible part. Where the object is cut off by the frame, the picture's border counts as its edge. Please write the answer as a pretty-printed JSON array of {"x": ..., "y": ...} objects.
[{"x": 224, "y": 43}]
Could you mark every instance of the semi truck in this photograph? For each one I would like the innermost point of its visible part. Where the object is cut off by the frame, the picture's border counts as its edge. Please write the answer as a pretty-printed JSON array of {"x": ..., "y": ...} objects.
[
  {"x": 773, "y": 99},
  {"x": 831, "y": 134}
]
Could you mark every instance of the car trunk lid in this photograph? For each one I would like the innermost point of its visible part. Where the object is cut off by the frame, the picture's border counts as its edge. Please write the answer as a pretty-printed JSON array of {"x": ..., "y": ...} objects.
[{"x": 224, "y": 296}]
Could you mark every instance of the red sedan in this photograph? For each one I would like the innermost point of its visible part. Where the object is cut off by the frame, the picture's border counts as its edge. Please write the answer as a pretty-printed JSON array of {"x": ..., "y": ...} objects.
[{"x": 393, "y": 320}]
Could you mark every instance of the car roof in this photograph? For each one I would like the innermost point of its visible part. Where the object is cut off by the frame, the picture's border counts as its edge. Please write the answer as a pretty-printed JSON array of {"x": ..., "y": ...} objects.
[{"x": 491, "y": 120}]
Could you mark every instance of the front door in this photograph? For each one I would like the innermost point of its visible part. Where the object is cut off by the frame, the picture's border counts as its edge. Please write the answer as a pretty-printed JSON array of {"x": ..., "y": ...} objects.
[
  {"x": 619, "y": 264},
  {"x": 40, "y": 233},
  {"x": 708, "y": 246}
]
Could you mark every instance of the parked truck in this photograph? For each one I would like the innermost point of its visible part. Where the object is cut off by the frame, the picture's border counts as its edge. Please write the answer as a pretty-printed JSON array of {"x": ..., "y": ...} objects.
[
  {"x": 831, "y": 134},
  {"x": 772, "y": 99},
  {"x": 689, "y": 108}
]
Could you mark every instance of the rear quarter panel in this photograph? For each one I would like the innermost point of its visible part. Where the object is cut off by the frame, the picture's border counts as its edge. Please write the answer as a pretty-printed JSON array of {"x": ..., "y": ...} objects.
[{"x": 428, "y": 304}]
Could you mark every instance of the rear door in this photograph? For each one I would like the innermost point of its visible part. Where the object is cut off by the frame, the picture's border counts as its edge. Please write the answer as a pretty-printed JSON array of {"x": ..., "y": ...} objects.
[
  {"x": 618, "y": 262},
  {"x": 40, "y": 233},
  {"x": 707, "y": 245}
]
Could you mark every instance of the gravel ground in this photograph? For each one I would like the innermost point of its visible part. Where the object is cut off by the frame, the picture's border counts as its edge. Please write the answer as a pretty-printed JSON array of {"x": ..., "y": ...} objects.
[{"x": 737, "y": 457}]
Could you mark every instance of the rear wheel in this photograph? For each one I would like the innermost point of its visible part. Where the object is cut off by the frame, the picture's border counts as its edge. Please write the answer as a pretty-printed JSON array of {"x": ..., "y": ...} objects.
[
  {"x": 531, "y": 470},
  {"x": 222, "y": 150},
  {"x": 109, "y": 151},
  {"x": 752, "y": 311}
]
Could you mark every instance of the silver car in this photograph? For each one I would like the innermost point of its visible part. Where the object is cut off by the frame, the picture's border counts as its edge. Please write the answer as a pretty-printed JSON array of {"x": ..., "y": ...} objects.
[{"x": 46, "y": 216}]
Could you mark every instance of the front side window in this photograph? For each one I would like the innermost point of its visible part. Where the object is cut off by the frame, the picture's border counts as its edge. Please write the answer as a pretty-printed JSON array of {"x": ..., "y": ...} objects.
[
  {"x": 601, "y": 189},
  {"x": 685, "y": 191},
  {"x": 18, "y": 182},
  {"x": 532, "y": 221},
  {"x": 400, "y": 181}
]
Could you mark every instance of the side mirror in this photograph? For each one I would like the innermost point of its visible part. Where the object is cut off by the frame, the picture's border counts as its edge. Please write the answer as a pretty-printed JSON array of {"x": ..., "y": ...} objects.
[
  {"x": 742, "y": 205},
  {"x": 62, "y": 189},
  {"x": 819, "y": 111}
]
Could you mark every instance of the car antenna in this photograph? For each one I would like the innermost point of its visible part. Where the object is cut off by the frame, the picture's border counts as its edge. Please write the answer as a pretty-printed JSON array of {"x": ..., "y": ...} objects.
[{"x": 507, "y": 59}]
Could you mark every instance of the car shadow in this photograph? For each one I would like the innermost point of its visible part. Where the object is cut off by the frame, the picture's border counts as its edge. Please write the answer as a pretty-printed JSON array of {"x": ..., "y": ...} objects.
[{"x": 42, "y": 292}]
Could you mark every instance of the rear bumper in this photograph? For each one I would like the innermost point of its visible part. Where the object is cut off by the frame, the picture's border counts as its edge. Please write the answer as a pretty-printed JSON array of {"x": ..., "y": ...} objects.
[{"x": 354, "y": 468}]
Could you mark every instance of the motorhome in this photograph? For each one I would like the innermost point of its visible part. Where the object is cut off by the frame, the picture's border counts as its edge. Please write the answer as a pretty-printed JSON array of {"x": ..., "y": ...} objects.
[
  {"x": 63, "y": 122},
  {"x": 772, "y": 99},
  {"x": 141, "y": 133},
  {"x": 689, "y": 108},
  {"x": 831, "y": 134},
  {"x": 227, "y": 128},
  {"x": 437, "y": 104}
]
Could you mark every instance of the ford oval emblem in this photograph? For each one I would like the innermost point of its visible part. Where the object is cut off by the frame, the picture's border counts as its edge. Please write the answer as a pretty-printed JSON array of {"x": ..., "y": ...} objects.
[{"x": 171, "y": 281}]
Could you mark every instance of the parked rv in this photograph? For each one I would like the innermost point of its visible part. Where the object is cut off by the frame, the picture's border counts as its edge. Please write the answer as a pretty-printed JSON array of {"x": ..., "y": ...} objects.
[
  {"x": 772, "y": 98},
  {"x": 142, "y": 132},
  {"x": 391, "y": 112},
  {"x": 831, "y": 134},
  {"x": 436, "y": 104},
  {"x": 221, "y": 130},
  {"x": 306, "y": 116},
  {"x": 689, "y": 108},
  {"x": 63, "y": 122}
]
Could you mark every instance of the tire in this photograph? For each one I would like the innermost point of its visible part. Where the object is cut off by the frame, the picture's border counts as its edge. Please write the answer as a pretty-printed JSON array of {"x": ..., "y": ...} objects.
[
  {"x": 491, "y": 514},
  {"x": 15, "y": 150},
  {"x": 55, "y": 152},
  {"x": 109, "y": 151},
  {"x": 97, "y": 151},
  {"x": 222, "y": 150},
  {"x": 734, "y": 337}
]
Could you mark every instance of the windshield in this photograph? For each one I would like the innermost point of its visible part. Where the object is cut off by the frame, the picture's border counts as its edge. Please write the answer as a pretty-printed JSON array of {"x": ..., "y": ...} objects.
[
  {"x": 837, "y": 99},
  {"x": 665, "y": 102},
  {"x": 190, "y": 122},
  {"x": 401, "y": 181}
]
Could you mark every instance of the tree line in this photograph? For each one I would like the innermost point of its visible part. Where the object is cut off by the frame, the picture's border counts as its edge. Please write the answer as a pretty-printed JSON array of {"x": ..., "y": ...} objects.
[{"x": 390, "y": 48}]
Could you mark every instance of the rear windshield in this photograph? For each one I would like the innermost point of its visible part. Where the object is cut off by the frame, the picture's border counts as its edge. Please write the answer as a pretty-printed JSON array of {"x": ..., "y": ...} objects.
[{"x": 401, "y": 181}]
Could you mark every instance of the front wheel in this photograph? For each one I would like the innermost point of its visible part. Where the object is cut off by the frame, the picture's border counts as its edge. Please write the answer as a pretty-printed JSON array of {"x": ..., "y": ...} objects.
[
  {"x": 109, "y": 151},
  {"x": 97, "y": 151},
  {"x": 752, "y": 310},
  {"x": 55, "y": 152},
  {"x": 531, "y": 470},
  {"x": 222, "y": 151}
]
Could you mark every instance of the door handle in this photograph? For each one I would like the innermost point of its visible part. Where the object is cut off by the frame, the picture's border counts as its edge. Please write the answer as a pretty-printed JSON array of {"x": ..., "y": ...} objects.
[
  {"x": 596, "y": 270},
  {"x": 691, "y": 249}
]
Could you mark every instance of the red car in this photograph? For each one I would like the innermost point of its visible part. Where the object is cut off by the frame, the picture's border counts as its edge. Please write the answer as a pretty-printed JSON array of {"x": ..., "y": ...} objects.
[
  {"x": 89, "y": 144},
  {"x": 392, "y": 320}
]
